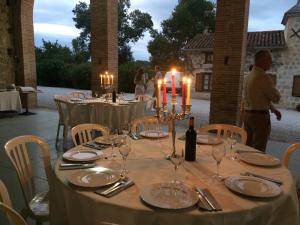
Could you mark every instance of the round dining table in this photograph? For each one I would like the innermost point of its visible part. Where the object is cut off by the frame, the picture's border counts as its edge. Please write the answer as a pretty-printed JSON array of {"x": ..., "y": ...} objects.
[{"x": 147, "y": 165}]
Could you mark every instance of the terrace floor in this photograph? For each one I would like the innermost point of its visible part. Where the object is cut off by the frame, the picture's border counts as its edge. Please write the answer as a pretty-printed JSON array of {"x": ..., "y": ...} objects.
[{"x": 44, "y": 124}]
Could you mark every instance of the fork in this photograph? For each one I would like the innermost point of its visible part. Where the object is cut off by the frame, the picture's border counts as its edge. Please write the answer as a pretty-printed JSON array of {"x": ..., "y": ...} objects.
[{"x": 114, "y": 186}]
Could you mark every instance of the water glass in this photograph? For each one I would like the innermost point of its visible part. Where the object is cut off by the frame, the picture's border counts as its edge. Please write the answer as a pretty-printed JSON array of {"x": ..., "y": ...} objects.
[
  {"x": 218, "y": 152},
  {"x": 231, "y": 140},
  {"x": 176, "y": 159},
  {"x": 124, "y": 150}
]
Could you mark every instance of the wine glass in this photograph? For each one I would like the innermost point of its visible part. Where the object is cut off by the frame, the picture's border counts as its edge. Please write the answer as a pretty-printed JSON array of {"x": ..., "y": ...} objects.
[
  {"x": 218, "y": 152},
  {"x": 231, "y": 142},
  {"x": 176, "y": 159},
  {"x": 112, "y": 140},
  {"x": 124, "y": 150}
]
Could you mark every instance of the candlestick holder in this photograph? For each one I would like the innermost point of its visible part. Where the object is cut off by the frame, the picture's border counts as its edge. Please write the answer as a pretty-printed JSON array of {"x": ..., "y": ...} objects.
[{"x": 172, "y": 116}]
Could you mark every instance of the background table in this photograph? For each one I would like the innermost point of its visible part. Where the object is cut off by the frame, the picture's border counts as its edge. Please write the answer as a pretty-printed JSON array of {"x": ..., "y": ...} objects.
[
  {"x": 147, "y": 165},
  {"x": 10, "y": 101}
]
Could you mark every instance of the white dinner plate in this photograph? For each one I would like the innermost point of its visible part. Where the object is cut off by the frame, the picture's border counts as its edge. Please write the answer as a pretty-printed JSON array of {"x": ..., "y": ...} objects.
[
  {"x": 162, "y": 195},
  {"x": 208, "y": 140},
  {"x": 94, "y": 177},
  {"x": 259, "y": 159},
  {"x": 252, "y": 186},
  {"x": 82, "y": 155},
  {"x": 154, "y": 134}
]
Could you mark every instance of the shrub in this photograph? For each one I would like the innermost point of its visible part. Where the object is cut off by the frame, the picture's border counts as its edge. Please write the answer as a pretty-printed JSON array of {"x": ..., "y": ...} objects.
[
  {"x": 126, "y": 77},
  {"x": 80, "y": 76}
]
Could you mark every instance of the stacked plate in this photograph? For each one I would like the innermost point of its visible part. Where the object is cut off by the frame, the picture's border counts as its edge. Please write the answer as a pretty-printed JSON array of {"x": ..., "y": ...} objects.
[
  {"x": 96, "y": 177},
  {"x": 169, "y": 196},
  {"x": 82, "y": 155},
  {"x": 259, "y": 159},
  {"x": 154, "y": 134},
  {"x": 252, "y": 186}
]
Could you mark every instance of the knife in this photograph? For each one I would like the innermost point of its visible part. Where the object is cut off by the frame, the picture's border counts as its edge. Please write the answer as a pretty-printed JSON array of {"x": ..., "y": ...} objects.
[
  {"x": 199, "y": 190},
  {"x": 202, "y": 200},
  {"x": 279, "y": 182},
  {"x": 70, "y": 166},
  {"x": 249, "y": 151}
]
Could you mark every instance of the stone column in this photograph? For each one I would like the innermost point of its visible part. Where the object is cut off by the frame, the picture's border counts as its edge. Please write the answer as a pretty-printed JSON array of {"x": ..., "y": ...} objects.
[
  {"x": 104, "y": 39},
  {"x": 229, "y": 55},
  {"x": 24, "y": 45}
]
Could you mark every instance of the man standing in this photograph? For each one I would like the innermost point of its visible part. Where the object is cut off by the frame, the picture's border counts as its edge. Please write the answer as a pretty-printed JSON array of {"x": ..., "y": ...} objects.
[{"x": 259, "y": 94}]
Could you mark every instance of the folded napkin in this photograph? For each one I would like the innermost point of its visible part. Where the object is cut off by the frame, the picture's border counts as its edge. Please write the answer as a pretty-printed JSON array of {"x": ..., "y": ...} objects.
[
  {"x": 95, "y": 145},
  {"x": 116, "y": 190},
  {"x": 207, "y": 200}
]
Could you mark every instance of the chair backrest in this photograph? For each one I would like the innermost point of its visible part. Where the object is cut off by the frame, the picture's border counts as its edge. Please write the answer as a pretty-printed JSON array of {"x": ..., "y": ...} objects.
[
  {"x": 13, "y": 217},
  {"x": 17, "y": 151},
  {"x": 61, "y": 106},
  {"x": 77, "y": 94},
  {"x": 288, "y": 152},
  {"x": 4, "y": 195},
  {"x": 225, "y": 130},
  {"x": 148, "y": 123},
  {"x": 83, "y": 133}
]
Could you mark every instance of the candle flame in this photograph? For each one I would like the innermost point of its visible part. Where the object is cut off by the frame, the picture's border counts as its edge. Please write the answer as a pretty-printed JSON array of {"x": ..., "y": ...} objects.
[
  {"x": 184, "y": 80},
  {"x": 112, "y": 76},
  {"x": 159, "y": 82},
  {"x": 189, "y": 81},
  {"x": 106, "y": 72},
  {"x": 165, "y": 80},
  {"x": 174, "y": 71}
]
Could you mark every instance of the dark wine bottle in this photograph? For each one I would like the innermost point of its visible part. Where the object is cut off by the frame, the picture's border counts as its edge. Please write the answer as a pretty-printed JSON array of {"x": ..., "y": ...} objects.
[
  {"x": 114, "y": 96},
  {"x": 190, "y": 142}
]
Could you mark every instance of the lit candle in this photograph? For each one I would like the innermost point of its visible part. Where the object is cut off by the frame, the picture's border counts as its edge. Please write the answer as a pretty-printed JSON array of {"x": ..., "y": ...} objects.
[
  {"x": 159, "y": 82},
  {"x": 112, "y": 79},
  {"x": 101, "y": 77},
  {"x": 107, "y": 77},
  {"x": 173, "y": 82},
  {"x": 183, "y": 91},
  {"x": 165, "y": 91},
  {"x": 188, "y": 94}
]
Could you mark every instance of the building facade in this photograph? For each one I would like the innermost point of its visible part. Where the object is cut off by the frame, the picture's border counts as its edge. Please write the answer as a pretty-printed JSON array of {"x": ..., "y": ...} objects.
[{"x": 284, "y": 46}]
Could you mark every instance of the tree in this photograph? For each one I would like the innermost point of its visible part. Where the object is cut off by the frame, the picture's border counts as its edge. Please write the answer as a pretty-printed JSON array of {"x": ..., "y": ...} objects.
[
  {"x": 188, "y": 18},
  {"x": 131, "y": 27}
]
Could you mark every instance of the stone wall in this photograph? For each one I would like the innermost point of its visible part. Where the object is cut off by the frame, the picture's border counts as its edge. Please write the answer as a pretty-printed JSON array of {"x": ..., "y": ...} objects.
[{"x": 7, "y": 64}]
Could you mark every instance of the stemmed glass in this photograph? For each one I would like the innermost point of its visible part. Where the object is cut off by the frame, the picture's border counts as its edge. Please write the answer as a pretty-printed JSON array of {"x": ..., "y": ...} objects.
[
  {"x": 218, "y": 152},
  {"x": 176, "y": 160},
  {"x": 124, "y": 150},
  {"x": 232, "y": 142},
  {"x": 112, "y": 140}
]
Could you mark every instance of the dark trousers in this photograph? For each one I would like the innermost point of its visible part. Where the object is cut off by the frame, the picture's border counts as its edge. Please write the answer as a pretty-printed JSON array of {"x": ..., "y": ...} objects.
[{"x": 258, "y": 127}]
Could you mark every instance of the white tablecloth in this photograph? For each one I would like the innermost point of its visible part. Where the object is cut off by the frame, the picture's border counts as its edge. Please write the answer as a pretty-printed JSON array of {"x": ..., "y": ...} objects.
[
  {"x": 10, "y": 100},
  {"x": 147, "y": 165},
  {"x": 112, "y": 115}
]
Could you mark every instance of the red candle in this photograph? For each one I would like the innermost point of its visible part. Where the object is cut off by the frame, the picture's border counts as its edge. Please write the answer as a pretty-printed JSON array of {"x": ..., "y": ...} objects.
[
  {"x": 183, "y": 91},
  {"x": 173, "y": 82},
  {"x": 165, "y": 91}
]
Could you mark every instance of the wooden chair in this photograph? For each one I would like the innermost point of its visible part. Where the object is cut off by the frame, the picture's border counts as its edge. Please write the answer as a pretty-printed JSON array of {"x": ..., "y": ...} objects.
[
  {"x": 62, "y": 108},
  {"x": 77, "y": 94},
  {"x": 224, "y": 130},
  {"x": 37, "y": 204},
  {"x": 148, "y": 123},
  {"x": 84, "y": 132},
  {"x": 14, "y": 218},
  {"x": 4, "y": 195},
  {"x": 288, "y": 152}
]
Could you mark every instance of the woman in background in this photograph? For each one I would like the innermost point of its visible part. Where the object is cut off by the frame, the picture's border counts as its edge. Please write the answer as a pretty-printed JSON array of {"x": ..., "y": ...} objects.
[{"x": 139, "y": 81}]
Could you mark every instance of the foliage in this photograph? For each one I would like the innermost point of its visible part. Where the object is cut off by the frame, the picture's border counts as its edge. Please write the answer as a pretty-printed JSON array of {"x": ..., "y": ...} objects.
[
  {"x": 58, "y": 66},
  {"x": 131, "y": 27},
  {"x": 126, "y": 77},
  {"x": 188, "y": 18}
]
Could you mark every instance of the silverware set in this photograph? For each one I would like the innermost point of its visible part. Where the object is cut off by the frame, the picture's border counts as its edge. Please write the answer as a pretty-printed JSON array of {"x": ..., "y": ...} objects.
[
  {"x": 116, "y": 188},
  {"x": 207, "y": 200},
  {"x": 278, "y": 182},
  {"x": 72, "y": 166}
]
